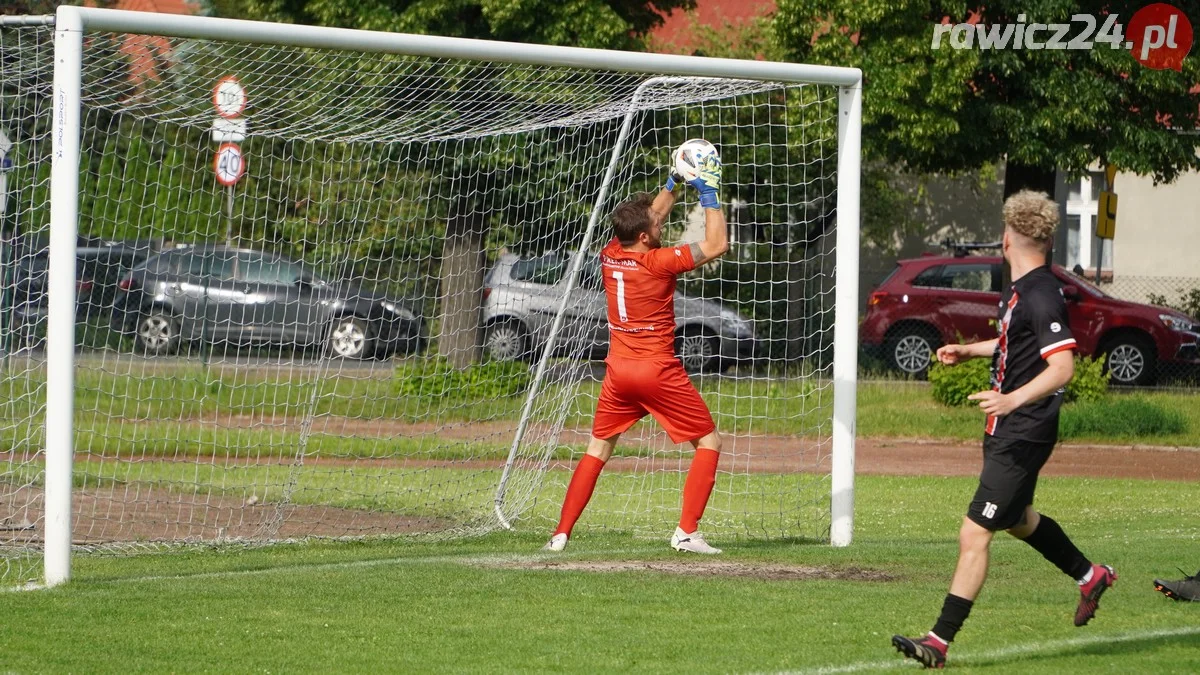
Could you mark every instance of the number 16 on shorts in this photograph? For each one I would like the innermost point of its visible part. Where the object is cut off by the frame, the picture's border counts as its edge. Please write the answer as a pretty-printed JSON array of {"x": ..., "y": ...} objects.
[{"x": 989, "y": 510}]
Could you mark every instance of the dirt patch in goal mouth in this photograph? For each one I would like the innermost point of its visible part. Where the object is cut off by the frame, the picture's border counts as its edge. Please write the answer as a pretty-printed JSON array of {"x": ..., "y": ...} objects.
[{"x": 705, "y": 568}]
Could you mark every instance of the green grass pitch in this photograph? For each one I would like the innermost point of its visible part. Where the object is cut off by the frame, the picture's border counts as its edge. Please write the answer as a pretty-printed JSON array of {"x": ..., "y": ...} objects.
[{"x": 490, "y": 604}]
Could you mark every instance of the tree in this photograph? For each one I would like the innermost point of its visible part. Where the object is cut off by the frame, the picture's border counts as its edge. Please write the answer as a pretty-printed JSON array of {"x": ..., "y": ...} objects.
[
  {"x": 952, "y": 109},
  {"x": 785, "y": 286},
  {"x": 604, "y": 24},
  {"x": 608, "y": 24}
]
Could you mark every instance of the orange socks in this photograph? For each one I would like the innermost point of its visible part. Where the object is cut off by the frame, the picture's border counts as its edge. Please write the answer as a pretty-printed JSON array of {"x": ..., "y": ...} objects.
[
  {"x": 579, "y": 492},
  {"x": 701, "y": 478}
]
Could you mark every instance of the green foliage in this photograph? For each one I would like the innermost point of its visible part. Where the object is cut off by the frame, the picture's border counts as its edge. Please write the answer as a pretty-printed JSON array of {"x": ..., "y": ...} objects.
[
  {"x": 1188, "y": 301},
  {"x": 773, "y": 275},
  {"x": 611, "y": 24},
  {"x": 1123, "y": 418},
  {"x": 951, "y": 109},
  {"x": 951, "y": 385},
  {"x": 434, "y": 377},
  {"x": 1090, "y": 382}
]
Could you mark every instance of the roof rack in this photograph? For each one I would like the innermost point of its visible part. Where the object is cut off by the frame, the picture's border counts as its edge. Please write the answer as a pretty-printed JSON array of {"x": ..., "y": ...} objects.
[{"x": 962, "y": 249}]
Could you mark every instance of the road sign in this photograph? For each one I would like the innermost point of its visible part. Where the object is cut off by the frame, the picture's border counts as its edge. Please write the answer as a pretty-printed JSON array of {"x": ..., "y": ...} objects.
[
  {"x": 1106, "y": 217},
  {"x": 229, "y": 130},
  {"x": 229, "y": 164},
  {"x": 229, "y": 97}
]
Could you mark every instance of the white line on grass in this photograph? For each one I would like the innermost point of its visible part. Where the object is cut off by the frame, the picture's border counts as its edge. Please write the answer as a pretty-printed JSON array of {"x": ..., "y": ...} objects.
[
  {"x": 488, "y": 559},
  {"x": 1007, "y": 652}
]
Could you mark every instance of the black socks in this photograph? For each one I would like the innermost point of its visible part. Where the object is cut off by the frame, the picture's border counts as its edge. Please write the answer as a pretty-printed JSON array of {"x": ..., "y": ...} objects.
[
  {"x": 1054, "y": 545},
  {"x": 954, "y": 613}
]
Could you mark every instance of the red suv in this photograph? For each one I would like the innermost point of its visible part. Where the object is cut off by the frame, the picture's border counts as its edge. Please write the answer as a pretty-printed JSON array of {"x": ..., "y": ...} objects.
[{"x": 930, "y": 301}]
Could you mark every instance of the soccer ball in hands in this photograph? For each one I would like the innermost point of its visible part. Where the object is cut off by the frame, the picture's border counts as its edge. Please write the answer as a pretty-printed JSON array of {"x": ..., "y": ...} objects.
[{"x": 691, "y": 155}]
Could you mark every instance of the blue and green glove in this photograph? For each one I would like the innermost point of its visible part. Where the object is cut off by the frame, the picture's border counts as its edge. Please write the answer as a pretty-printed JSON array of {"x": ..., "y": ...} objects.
[
  {"x": 708, "y": 182},
  {"x": 673, "y": 180}
]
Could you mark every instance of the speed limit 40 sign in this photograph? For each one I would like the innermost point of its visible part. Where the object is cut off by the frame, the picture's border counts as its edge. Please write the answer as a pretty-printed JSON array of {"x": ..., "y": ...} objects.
[{"x": 229, "y": 165}]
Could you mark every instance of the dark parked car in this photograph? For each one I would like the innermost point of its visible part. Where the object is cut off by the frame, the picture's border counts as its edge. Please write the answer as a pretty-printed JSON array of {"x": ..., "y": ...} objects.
[
  {"x": 217, "y": 294},
  {"x": 99, "y": 267},
  {"x": 927, "y": 302},
  {"x": 522, "y": 295}
]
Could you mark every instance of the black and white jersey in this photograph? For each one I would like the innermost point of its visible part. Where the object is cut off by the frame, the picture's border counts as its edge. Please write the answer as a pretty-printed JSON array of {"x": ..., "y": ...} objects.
[{"x": 1032, "y": 326}]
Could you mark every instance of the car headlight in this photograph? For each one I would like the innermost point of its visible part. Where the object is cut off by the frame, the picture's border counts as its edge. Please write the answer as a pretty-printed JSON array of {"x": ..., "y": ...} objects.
[
  {"x": 1175, "y": 323},
  {"x": 735, "y": 323}
]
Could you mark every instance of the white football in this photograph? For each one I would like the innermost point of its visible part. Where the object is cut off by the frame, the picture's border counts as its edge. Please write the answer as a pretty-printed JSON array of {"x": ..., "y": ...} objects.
[{"x": 691, "y": 155}]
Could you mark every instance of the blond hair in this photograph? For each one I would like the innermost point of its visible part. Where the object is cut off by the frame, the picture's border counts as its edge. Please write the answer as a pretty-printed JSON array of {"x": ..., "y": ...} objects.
[{"x": 1031, "y": 214}]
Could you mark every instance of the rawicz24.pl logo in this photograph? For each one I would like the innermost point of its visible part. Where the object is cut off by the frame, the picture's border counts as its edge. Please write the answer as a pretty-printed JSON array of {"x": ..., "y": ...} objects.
[{"x": 1159, "y": 36}]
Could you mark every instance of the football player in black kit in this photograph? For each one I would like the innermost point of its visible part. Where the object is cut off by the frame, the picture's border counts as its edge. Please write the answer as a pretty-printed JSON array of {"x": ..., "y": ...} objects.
[{"x": 1032, "y": 360}]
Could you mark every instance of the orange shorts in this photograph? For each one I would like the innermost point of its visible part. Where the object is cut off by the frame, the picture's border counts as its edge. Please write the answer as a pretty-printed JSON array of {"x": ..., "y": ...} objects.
[{"x": 634, "y": 387}]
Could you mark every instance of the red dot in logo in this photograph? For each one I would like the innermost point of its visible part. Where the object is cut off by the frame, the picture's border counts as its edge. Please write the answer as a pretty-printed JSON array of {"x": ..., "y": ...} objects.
[{"x": 1159, "y": 36}]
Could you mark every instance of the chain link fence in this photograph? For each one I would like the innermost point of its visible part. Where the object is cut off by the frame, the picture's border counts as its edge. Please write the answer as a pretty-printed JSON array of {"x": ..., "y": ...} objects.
[{"x": 1182, "y": 294}]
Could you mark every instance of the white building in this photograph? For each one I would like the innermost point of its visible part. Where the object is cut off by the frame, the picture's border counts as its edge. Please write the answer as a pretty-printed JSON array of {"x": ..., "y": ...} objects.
[{"x": 1156, "y": 249}]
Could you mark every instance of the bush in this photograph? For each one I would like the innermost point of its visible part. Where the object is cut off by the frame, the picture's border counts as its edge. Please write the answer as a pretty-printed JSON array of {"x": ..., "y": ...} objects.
[
  {"x": 953, "y": 384},
  {"x": 1188, "y": 302},
  {"x": 1119, "y": 418},
  {"x": 1090, "y": 382},
  {"x": 434, "y": 377}
]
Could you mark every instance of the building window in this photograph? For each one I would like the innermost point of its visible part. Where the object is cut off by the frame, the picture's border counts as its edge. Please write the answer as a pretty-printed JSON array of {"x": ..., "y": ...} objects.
[
  {"x": 1072, "y": 241},
  {"x": 1083, "y": 206}
]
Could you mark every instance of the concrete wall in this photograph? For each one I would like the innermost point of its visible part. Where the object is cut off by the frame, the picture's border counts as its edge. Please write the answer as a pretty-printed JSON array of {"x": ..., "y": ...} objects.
[{"x": 1158, "y": 228}]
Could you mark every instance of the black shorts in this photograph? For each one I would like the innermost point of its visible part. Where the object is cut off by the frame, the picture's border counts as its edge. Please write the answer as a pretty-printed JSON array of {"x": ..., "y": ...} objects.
[{"x": 1008, "y": 480}]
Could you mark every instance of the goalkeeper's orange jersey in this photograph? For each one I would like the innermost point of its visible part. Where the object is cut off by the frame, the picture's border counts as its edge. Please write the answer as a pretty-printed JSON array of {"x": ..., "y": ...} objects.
[{"x": 640, "y": 289}]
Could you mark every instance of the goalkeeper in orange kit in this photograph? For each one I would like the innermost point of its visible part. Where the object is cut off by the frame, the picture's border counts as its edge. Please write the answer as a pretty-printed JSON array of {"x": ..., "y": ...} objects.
[{"x": 643, "y": 374}]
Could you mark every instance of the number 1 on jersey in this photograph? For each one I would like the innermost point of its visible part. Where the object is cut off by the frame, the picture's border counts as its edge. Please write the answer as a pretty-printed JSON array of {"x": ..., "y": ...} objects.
[{"x": 620, "y": 277}]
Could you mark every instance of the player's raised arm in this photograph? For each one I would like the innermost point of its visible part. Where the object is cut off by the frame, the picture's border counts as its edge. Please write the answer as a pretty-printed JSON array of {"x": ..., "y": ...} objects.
[
  {"x": 716, "y": 232},
  {"x": 664, "y": 201}
]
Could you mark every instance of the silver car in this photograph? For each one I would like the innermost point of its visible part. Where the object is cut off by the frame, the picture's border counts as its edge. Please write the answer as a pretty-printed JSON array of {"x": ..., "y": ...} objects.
[{"x": 522, "y": 295}]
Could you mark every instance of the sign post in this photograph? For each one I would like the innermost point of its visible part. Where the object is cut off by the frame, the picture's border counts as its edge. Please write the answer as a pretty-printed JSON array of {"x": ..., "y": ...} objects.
[
  {"x": 1106, "y": 215},
  {"x": 229, "y": 129},
  {"x": 229, "y": 167}
]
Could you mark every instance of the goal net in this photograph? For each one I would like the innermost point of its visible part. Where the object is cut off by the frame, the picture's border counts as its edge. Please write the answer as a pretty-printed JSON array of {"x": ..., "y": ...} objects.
[{"x": 322, "y": 292}]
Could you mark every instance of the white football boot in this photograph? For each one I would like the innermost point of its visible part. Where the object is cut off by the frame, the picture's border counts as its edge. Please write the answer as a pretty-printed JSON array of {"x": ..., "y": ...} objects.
[
  {"x": 692, "y": 543},
  {"x": 557, "y": 543}
]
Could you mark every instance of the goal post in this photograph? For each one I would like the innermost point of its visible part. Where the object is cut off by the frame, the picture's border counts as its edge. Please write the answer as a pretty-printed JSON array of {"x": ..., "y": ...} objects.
[
  {"x": 845, "y": 331},
  {"x": 398, "y": 160}
]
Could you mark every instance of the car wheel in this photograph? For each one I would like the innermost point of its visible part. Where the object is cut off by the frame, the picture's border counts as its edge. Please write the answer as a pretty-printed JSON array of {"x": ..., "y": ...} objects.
[
  {"x": 157, "y": 334},
  {"x": 911, "y": 349},
  {"x": 506, "y": 341},
  {"x": 698, "y": 351},
  {"x": 1130, "y": 361},
  {"x": 350, "y": 338}
]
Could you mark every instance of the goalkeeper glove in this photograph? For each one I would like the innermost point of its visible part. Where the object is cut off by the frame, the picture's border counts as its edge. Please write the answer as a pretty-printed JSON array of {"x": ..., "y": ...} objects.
[
  {"x": 708, "y": 183},
  {"x": 673, "y": 179}
]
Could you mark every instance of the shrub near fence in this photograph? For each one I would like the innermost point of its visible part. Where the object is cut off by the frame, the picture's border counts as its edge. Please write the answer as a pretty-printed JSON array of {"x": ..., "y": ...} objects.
[
  {"x": 1091, "y": 412},
  {"x": 953, "y": 384}
]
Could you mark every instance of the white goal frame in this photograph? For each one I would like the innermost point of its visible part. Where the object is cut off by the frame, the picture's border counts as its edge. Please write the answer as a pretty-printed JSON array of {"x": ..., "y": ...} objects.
[{"x": 72, "y": 23}]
